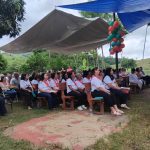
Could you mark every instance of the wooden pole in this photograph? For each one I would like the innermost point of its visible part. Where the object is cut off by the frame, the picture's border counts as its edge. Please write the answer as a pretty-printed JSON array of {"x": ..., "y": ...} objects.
[
  {"x": 103, "y": 62},
  {"x": 145, "y": 42},
  {"x": 117, "y": 70}
]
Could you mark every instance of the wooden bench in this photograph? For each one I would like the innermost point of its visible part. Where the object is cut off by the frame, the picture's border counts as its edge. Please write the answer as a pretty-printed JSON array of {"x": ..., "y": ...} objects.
[
  {"x": 134, "y": 88},
  {"x": 66, "y": 99},
  {"x": 92, "y": 101},
  {"x": 41, "y": 102}
]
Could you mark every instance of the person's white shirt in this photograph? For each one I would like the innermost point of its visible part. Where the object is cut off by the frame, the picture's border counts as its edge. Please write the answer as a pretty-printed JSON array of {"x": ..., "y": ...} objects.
[
  {"x": 107, "y": 80},
  {"x": 63, "y": 81},
  {"x": 134, "y": 79},
  {"x": 34, "y": 82},
  {"x": 79, "y": 84},
  {"x": 43, "y": 86},
  {"x": 54, "y": 84},
  {"x": 24, "y": 84},
  {"x": 69, "y": 82},
  {"x": 96, "y": 83},
  {"x": 86, "y": 80}
]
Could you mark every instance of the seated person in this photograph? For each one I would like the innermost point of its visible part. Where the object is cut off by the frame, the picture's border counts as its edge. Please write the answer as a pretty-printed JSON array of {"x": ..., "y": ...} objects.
[
  {"x": 98, "y": 90},
  {"x": 26, "y": 89},
  {"x": 35, "y": 82},
  {"x": 133, "y": 78},
  {"x": 73, "y": 90},
  {"x": 86, "y": 77},
  {"x": 46, "y": 91},
  {"x": 142, "y": 75},
  {"x": 6, "y": 88},
  {"x": 64, "y": 77},
  {"x": 54, "y": 82},
  {"x": 111, "y": 85},
  {"x": 15, "y": 81},
  {"x": 3, "y": 110}
]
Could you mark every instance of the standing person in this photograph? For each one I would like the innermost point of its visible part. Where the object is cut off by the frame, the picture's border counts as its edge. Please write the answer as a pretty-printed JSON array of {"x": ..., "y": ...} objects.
[
  {"x": 73, "y": 90},
  {"x": 26, "y": 89},
  {"x": 98, "y": 90},
  {"x": 46, "y": 91},
  {"x": 111, "y": 85}
]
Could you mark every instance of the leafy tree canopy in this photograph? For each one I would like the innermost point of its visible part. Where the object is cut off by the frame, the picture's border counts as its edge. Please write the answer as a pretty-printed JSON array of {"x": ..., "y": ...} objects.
[
  {"x": 128, "y": 63},
  {"x": 11, "y": 13},
  {"x": 3, "y": 64}
]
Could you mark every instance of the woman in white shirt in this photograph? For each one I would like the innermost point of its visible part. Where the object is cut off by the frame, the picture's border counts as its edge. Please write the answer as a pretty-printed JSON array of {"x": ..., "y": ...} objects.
[
  {"x": 26, "y": 89},
  {"x": 73, "y": 90},
  {"x": 54, "y": 82},
  {"x": 35, "y": 82},
  {"x": 111, "y": 85},
  {"x": 64, "y": 77},
  {"x": 46, "y": 91},
  {"x": 86, "y": 77},
  {"x": 79, "y": 83},
  {"x": 133, "y": 78},
  {"x": 98, "y": 90}
]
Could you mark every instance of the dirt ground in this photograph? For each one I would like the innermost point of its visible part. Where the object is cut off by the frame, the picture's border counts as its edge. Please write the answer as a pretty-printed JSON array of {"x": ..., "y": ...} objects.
[{"x": 73, "y": 129}]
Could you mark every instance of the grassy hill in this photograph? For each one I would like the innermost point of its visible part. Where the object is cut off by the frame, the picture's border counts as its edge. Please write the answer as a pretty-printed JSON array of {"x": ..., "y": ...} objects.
[
  {"x": 14, "y": 61},
  {"x": 145, "y": 64}
]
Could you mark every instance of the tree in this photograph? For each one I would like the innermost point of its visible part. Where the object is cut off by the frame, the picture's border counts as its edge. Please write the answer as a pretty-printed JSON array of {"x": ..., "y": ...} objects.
[
  {"x": 3, "y": 63},
  {"x": 37, "y": 61},
  {"x": 11, "y": 13},
  {"x": 128, "y": 63}
]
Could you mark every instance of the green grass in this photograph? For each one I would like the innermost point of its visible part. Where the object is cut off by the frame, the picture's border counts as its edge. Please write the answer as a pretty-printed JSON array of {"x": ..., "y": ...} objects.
[
  {"x": 136, "y": 136},
  {"x": 145, "y": 64},
  {"x": 20, "y": 115}
]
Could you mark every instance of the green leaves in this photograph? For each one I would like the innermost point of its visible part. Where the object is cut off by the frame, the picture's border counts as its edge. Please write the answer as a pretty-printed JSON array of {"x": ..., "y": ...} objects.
[
  {"x": 11, "y": 13},
  {"x": 3, "y": 63}
]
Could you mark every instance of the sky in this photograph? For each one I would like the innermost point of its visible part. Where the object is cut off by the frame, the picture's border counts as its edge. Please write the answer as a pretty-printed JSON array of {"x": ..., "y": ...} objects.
[{"x": 38, "y": 9}]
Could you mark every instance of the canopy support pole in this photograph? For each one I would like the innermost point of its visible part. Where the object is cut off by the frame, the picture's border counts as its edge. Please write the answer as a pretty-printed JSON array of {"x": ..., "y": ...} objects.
[
  {"x": 116, "y": 58},
  {"x": 145, "y": 41},
  {"x": 103, "y": 62}
]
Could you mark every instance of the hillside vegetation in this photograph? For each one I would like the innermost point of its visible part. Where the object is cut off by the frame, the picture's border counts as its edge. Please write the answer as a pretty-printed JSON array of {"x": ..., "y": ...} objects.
[
  {"x": 145, "y": 64},
  {"x": 17, "y": 61}
]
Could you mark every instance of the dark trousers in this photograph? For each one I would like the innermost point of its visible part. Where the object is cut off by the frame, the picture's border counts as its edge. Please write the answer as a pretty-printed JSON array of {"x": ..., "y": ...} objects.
[
  {"x": 2, "y": 107},
  {"x": 122, "y": 97},
  {"x": 51, "y": 99},
  {"x": 27, "y": 96},
  {"x": 80, "y": 97},
  {"x": 12, "y": 93},
  {"x": 146, "y": 79},
  {"x": 108, "y": 99}
]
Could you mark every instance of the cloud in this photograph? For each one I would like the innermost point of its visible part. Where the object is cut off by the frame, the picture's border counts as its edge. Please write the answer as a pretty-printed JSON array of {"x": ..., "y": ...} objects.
[{"x": 38, "y": 9}]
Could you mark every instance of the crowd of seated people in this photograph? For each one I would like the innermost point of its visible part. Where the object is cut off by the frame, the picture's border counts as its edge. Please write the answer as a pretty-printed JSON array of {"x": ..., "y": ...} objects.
[{"x": 103, "y": 84}]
